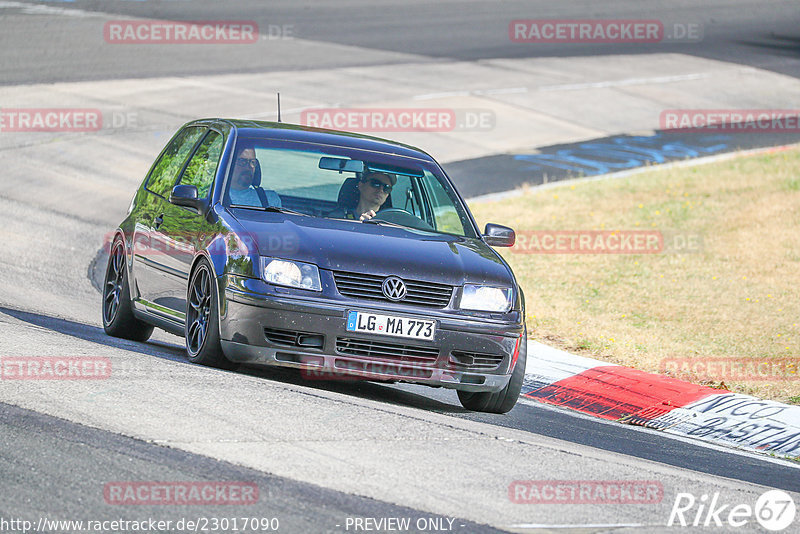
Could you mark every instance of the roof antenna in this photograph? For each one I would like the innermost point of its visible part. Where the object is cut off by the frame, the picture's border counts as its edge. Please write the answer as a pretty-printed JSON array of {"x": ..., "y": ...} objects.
[{"x": 279, "y": 107}]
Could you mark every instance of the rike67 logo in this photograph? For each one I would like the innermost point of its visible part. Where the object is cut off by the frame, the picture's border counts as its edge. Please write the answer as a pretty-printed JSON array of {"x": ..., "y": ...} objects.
[{"x": 774, "y": 511}]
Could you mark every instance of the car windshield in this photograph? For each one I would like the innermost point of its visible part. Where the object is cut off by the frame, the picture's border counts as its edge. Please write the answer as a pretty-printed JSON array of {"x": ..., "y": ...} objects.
[{"x": 336, "y": 182}]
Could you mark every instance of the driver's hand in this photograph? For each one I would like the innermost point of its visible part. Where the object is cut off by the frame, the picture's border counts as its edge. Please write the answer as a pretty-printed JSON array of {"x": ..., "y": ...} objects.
[{"x": 367, "y": 215}]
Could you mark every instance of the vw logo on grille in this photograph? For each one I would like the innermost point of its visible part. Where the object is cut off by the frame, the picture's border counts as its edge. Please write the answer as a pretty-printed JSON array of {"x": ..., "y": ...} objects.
[{"x": 394, "y": 288}]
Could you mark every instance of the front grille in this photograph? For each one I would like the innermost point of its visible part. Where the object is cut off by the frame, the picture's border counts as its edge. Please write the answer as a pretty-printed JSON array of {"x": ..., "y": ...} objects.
[
  {"x": 386, "y": 351},
  {"x": 475, "y": 361},
  {"x": 368, "y": 286}
]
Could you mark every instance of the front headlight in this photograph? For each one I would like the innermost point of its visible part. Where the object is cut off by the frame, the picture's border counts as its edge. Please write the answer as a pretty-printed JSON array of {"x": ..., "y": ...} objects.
[
  {"x": 485, "y": 298},
  {"x": 291, "y": 274}
]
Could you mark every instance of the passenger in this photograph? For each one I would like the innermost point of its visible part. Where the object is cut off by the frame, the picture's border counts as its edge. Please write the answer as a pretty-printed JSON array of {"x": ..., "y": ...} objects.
[{"x": 371, "y": 191}]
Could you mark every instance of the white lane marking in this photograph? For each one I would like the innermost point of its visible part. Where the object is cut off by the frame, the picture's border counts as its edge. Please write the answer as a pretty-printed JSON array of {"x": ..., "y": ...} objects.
[
  {"x": 478, "y": 92},
  {"x": 568, "y": 87},
  {"x": 625, "y": 82}
]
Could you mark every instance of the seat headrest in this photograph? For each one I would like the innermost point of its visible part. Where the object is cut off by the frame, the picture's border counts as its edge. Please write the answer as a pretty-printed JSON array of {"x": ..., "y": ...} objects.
[{"x": 348, "y": 194}]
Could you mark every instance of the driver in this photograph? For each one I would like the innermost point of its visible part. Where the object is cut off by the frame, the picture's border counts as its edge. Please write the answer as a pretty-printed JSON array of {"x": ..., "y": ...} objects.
[
  {"x": 245, "y": 187},
  {"x": 373, "y": 189}
]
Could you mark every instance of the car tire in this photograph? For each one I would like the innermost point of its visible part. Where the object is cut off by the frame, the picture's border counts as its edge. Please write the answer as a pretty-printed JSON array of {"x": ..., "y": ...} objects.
[
  {"x": 117, "y": 310},
  {"x": 504, "y": 400},
  {"x": 201, "y": 329}
]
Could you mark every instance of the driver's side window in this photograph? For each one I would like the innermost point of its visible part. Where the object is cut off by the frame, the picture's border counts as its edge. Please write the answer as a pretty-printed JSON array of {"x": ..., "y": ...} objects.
[
  {"x": 165, "y": 172},
  {"x": 404, "y": 197},
  {"x": 202, "y": 167},
  {"x": 407, "y": 194}
]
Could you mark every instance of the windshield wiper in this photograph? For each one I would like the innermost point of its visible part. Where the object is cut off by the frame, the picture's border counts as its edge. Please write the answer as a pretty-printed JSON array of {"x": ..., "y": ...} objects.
[
  {"x": 381, "y": 222},
  {"x": 270, "y": 208},
  {"x": 279, "y": 209}
]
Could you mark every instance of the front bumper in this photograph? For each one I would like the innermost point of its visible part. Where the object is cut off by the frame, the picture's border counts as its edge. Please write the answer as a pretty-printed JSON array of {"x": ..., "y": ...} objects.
[{"x": 467, "y": 354}]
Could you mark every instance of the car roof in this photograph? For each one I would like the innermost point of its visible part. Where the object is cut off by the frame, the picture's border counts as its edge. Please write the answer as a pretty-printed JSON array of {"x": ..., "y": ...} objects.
[{"x": 307, "y": 134}]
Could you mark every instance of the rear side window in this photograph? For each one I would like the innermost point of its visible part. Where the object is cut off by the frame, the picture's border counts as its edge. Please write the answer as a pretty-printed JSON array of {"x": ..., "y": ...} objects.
[
  {"x": 203, "y": 166},
  {"x": 166, "y": 170}
]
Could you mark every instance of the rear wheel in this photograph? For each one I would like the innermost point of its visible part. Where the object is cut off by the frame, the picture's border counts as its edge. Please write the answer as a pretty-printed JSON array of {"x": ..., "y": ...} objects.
[
  {"x": 118, "y": 318},
  {"x": 202, "y": 320},
  {"x": 505, "y": 399}
]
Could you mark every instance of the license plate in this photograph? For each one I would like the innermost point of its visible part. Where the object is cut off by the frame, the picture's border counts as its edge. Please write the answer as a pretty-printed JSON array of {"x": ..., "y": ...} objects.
[{"x": 390, "y": 325}]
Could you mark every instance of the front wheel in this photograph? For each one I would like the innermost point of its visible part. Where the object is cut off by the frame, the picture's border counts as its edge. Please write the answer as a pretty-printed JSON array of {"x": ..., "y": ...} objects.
[
  {"x": 202, "y": 320},
  {"x": 506, "y": 398},
  {"x": 118, "y": 318}
]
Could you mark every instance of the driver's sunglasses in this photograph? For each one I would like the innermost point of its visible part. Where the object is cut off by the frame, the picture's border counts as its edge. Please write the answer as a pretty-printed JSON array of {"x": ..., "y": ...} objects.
[
  {"x": 246, "y": 162},
  {"x": 377, "y": 184}
]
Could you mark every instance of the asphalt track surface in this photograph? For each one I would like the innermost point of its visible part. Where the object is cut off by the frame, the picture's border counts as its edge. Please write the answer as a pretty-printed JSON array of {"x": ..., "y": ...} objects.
[
  {"x": 761, "y": 34},
  {"x": 58, "y": 467},
  {"x": 53, "y": 467}
]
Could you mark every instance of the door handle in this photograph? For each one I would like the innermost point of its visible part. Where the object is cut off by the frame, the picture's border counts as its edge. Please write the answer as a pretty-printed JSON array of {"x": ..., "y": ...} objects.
[{"x": 158, "y": 221}]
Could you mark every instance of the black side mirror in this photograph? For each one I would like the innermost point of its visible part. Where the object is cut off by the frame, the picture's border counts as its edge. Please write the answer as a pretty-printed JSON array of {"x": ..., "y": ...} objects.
[
  {"x": 186, "y": 195},
  {"x": 499, "y": 236}
]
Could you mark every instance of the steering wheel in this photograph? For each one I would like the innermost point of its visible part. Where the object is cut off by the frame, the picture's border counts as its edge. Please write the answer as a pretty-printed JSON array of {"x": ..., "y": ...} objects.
[{"x": 401, "y": 216}]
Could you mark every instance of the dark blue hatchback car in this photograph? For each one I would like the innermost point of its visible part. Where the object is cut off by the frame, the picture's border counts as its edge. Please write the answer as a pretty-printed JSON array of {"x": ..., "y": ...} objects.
[{"x": 342, "y": 255}]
